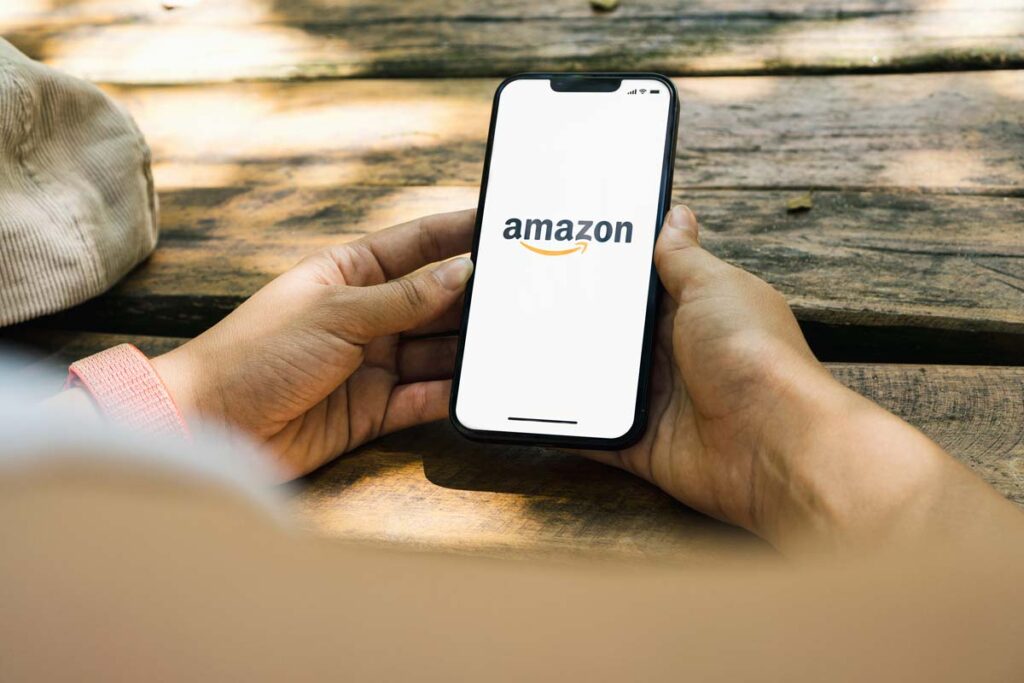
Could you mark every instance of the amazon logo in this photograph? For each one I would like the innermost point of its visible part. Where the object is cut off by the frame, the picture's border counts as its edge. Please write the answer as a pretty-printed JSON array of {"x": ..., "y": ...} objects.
[{"x": 561, "y": 238}]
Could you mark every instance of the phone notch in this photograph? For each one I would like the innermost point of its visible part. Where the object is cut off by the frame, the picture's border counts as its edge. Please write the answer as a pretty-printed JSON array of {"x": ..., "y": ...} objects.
[{"x": 581, "y": 83}]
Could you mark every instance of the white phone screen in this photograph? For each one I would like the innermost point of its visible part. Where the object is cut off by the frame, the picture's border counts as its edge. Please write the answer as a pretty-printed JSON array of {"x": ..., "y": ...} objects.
[{"x": 555, "y": 328}]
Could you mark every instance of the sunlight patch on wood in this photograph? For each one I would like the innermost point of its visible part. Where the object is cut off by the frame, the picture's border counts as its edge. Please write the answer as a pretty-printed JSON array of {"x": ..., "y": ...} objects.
[
  {"x": 1008, "y": 84},
  {"x": 176, "y": 176},
  {"x": 271, "y": 121},
  {"x": 935, "y": 168},
  {"x": 969, "y": 18},
  {"x": 862, "y": 41},
  {"x": 728, "y": 90},
  {"x": 14, "y": 12},
  {"x": 155, "y": 54},
  {"x": 408, "y": 203},
  {"x": 936, "y": 30},
  {"x": 399, "y": 504}
]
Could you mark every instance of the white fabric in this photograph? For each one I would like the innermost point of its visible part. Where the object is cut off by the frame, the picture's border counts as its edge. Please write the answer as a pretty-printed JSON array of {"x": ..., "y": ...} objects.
[{"x": 38, "y": 431}]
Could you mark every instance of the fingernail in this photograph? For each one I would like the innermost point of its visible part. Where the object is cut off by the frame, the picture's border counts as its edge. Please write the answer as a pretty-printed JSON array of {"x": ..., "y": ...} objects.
[
  {"x": 679, "y": 217},
  {"x": 455, "y": 273}
]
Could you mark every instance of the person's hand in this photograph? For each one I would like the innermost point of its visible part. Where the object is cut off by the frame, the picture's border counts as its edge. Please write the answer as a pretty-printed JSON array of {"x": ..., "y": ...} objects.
[
  {"x": 313, "y": 364},
  {"x": 725, "y": 349},
  {"x": 747, "y": 426}
]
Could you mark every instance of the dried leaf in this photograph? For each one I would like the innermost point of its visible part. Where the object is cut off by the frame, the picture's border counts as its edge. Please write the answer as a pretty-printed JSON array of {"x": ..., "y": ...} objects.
[
  {"x": 800, "y": 203},
  {"x": 604, "y": 5}
]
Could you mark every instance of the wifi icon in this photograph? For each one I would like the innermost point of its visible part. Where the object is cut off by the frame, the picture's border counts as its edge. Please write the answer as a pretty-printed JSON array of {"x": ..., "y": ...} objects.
[{"x": 642, "y": 91}]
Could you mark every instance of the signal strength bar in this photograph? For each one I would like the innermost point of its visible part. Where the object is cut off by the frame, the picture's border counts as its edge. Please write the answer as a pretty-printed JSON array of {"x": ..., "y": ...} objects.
[{"x": 631, "y": 92}]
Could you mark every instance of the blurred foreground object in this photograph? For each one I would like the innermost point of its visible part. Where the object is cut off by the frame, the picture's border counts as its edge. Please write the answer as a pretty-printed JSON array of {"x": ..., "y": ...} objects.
[
  {"x": 134, "y": 558},
  {"x": 77, "y": 205}
]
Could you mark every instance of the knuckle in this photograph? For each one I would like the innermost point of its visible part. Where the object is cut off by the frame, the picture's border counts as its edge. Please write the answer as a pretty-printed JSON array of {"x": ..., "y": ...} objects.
[
  {"x": 330, "y": 265},
  {"x": 429, "y": 244},
  {"x": 420, "y": 403},
  {"x": 338, "y": 254},
  {"x": 411, "y": 292},
  {"x": 320, "y": 260}
]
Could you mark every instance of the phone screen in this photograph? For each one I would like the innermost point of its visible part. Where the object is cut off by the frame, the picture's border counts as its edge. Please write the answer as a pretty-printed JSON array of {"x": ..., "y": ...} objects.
[{"x": 554, "y": 331}]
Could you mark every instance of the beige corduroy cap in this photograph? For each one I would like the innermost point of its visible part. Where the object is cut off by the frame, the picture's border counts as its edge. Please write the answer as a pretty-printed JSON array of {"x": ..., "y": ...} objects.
[{"x": 77, "y": 206}]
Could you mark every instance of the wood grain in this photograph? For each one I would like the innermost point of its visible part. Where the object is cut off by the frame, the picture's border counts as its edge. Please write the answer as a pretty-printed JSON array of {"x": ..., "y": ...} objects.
[
  {"x": 973, "y": 413},
  {"x": 428, "y": 488},
  {"x": 917, "y": 183},
  {"x": 132, "y": 42}
]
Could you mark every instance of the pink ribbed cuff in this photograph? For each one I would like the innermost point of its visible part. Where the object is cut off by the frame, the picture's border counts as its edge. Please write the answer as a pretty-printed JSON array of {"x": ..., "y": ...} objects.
[{"x": 127, "y": 390}]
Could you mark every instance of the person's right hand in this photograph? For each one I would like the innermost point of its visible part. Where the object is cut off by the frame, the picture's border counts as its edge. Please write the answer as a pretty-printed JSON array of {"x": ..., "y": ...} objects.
[
  {"x": 747, "y": 426},
  {"x": 315, "y": 363}
]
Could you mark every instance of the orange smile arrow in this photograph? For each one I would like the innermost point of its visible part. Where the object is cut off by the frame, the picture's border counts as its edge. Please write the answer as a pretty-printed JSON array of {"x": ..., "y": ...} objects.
[{"x": 580, "y": 247}]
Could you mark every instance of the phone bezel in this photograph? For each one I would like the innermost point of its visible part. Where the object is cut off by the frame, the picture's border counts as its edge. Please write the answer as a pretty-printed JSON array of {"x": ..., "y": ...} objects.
[{"x": 640, "y": 415}]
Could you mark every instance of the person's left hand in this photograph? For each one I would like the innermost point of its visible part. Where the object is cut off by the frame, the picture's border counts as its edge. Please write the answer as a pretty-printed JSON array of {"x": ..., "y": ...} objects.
[{"x": 313, "y": 364}]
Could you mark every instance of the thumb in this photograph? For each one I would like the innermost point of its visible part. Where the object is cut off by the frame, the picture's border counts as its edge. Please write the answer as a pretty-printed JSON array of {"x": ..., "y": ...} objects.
[
  {"x": 405, "y": 303},
  {"x": 678, "y": 255}
]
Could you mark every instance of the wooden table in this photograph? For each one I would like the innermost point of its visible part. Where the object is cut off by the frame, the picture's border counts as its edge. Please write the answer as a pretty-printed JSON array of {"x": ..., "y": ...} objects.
[{"x": 278, "y": 127}]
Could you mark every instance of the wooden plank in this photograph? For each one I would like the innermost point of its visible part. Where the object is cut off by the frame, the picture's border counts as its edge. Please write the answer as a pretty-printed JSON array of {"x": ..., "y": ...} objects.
[
  {"x": 942, "y": 262},
  {"x": 916, "y": 221},
  {"x": 429, "y": 488},
  {"x": 936, "y": 132},
  {"x": 131, "y": 42}
]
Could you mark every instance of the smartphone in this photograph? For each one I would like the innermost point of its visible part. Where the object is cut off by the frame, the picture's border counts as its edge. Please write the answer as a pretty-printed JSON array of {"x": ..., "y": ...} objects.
[{"x": 558, "y": 324}]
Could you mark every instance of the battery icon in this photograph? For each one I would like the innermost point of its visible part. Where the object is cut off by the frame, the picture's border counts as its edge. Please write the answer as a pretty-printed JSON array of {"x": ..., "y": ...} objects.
[{"x": 655, "y": 92}]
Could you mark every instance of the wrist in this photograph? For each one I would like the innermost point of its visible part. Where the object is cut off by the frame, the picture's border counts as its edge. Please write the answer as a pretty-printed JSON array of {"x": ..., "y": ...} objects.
[{"x": 176, "y": 369}]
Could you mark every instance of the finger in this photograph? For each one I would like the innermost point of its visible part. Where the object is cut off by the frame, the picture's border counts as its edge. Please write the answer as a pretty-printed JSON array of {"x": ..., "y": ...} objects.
[
  {"x": 399, "y": 305},
  {"x": 678, "y": 255},
  {"x": 413, "y": 404},
  {"x": 449, "y": 322},
  {"x": 401, "y": 249},
  {"x": 426, "y": 359}
]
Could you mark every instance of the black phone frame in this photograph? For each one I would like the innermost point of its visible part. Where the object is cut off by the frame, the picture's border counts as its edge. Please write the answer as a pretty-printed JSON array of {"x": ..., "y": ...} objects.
[{"x": 576, "y": 82}]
